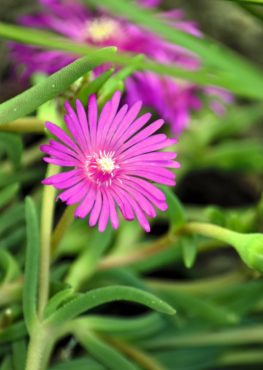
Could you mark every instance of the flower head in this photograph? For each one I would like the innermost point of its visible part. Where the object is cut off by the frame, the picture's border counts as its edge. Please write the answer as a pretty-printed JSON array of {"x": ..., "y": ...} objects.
[
  {"x": 172, "y": 99},
  {"x": 116, "y": 158}
]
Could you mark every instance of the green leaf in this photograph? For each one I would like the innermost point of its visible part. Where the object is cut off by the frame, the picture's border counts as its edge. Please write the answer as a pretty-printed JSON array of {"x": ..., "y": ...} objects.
[
  {"x": 79, "y": 364},
  {"x": 86, "y": 301},
  {"x": 256, "y": 2},
  {"x": 7, "y": 194},
  {"x": 14, "y": 332},
  {"x": 199, "y": 308},
  {"x": 175, "y": 211},
  {"x": 29, "y": 100},
  {"x": 31, "y": 266},
  {"x": 245, "y": 155},
  {"x": 134, "y": 328},
  {"x": 19, "y": 354},
  {"x": 102, "y": 352},
  {"x": 9, "y": 266},
  {"x": 7, "y": 364},
  {"x": 189, "y": 250},
  {"x": 116, "y": 81},
  {"x": 11, "y": 217},
  {"x": 22, "y": 176},
  {"x": 13, "y": 146},
  {"x": 58, "y": 300},
  {"x": 83, "y": 268},
  {"x": 240, "y": 298},
  {"x": 13, "y": 239},
  {"x": 94, "y": 86}
]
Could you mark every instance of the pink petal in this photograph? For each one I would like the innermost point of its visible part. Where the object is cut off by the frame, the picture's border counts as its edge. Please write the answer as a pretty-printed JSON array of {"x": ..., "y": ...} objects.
[
  {"x": 60, "y": 177},
  {"x": 105, "y": 213},
  {"x": 96, "y": 209},
  {"x": 60, "y": 134},
  {"x": 92, "y": 116},
  {"x": 87, "y": 203}
]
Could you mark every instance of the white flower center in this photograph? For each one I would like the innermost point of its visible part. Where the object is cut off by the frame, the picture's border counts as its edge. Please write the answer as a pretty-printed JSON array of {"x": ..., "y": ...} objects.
[
  {"x": 105, "y": 164},
  {"x": 101, "y": 167},
  {"x": 101, "y": 29}
]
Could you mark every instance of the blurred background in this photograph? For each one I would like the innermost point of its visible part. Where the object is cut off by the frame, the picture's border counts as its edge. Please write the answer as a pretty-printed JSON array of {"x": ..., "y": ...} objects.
[{"x": 225, "y": 188}]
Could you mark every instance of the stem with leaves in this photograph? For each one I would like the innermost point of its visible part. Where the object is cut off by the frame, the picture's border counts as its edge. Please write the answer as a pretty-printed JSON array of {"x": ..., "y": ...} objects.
[{"x": 47, "y": 215}]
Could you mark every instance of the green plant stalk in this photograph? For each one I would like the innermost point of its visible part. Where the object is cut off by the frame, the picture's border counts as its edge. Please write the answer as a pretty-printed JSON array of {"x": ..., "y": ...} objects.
[
  {"x": 209, "y": 230},
  {"x": 29, "y": 100},
  {"x": 85, "y": 265},
  {"x": 258, "y": 2},
  {"x": 198, "y": 287},
  {"x": 24, "y": 125},
  {"x": 145, "y": 361},
  {"x": 239, "y": 336},
  {"x": 10, "y": 292},
  {"x": 41, "y": 343},
  {"x": 39, "y": 349},
  {"x": 29, "y": 156},
  {"x": 138, "y": 254},
  {"x": 249, "y": 246},
  {"x": 47, "y": 213},
  {"x": 242, "y": 357},
  {"x": 64, "y": 223}
]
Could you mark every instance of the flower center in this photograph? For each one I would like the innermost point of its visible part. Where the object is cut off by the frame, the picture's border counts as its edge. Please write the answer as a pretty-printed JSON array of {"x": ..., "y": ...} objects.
[
  {"x": 101, "y": 167},
  {"x": 101, "y": 29},
  {"x": 106, "y": 164}
]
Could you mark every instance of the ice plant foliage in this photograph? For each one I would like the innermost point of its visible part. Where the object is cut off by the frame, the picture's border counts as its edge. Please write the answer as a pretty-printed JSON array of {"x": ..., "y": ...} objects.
[
  {"x": 116, "y": 158},
  {"x": 172, "y": 99}
]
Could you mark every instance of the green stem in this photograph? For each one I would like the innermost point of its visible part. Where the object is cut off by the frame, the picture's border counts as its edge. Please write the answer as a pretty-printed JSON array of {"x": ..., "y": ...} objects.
[
  {"x": 11, "y": 292},
  {"x": 61, "y": 228},
  {"x": 48, "y": 205},
  {"x": 199, "y": 286},
  {"x": 145, "y": 361},
  {"x": 240, "y": 336},
  {"x": 24, "y": 125},
  {"x": 242, "y": 357},
  {"x": 139, "y": 254},
  {"x": 29, "y": 156},
  {"x": 209, "y": 230},
  {"x": 256, "y": 2},
  {"x": 39, "y": 349}
]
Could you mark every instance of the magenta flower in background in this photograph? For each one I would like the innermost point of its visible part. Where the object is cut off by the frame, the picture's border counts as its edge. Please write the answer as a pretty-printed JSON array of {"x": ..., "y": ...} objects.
[
  {"x": 115, "y": 158},
  {"x": 172, "y": 99}
]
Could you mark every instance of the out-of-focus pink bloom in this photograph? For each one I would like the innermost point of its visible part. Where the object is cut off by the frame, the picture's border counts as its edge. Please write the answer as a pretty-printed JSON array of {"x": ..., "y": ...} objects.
[
  {"x": 115, "y": 157},
  {"x": 172, "y": 99},
  {"x": 218, "y": 99},
  {"x": 149, "y": 3}
]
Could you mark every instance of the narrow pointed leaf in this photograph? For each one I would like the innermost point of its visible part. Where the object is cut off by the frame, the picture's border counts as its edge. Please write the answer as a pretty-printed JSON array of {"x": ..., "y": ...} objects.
[
  {"x": 94, "y": 86},
  {"x": 175, "y": 211},
  {"x": 9, "y": 266},
  {"x": 86, "y": 301},
  {"x": 31, "y": 265},
  {"x": 13, "y": 146},
  {"x": 189, "y": 251},
  {"x": 79, "y": 364},
  {"x": 29, "y": 100},
  {"x": 103, "y": 352},
  {"x": 7, "y": 194}
]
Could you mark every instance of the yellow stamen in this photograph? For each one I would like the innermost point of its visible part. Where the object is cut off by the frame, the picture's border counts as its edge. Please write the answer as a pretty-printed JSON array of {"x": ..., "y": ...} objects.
[{"x": 102, "y": 29}]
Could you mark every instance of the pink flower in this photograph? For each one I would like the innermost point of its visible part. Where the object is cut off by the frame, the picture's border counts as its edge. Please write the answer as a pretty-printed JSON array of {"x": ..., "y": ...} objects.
[
  {"x": 172, "y": 99},
  {"x": 115, "y": 159}
]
